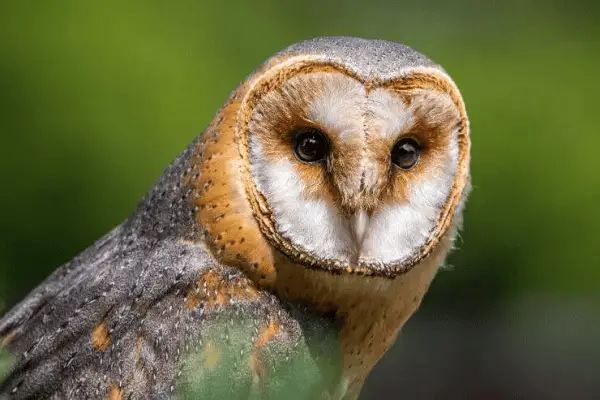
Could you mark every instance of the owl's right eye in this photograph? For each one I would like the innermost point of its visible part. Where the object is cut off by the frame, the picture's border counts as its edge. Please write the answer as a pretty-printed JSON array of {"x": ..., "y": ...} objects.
[
  {"x": 311, "y": 145},
  {"x": 405, "y": 153}
]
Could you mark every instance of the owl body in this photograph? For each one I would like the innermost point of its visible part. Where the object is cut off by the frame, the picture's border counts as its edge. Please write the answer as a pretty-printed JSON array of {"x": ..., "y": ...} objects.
[{"x": 279, "y": 255}]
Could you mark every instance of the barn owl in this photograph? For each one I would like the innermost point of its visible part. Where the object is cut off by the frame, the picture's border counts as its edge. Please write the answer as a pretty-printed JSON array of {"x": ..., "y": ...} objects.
[{"x": 279, "y": 255}]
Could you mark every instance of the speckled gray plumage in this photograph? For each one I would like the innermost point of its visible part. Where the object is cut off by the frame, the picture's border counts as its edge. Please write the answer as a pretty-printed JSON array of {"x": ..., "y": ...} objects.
[
  {"x": 135, "y": 279},
  {"x": 367, "y": 57}
]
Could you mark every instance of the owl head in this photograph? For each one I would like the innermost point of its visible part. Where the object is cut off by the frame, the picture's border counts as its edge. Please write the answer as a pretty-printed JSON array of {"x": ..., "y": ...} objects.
[{"x": 351, "y": 155}]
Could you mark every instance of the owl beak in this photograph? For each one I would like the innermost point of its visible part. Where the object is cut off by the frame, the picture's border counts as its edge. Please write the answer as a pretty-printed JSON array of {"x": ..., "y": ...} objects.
[{"x": 359, "y": 221}]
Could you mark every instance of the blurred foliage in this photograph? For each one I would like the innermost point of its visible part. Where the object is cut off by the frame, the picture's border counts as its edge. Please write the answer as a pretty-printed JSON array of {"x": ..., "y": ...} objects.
[
  {"x": 96, "y": 98},
  {"x": 6, "y": 363},
  {"x": 230, "y": 362}
]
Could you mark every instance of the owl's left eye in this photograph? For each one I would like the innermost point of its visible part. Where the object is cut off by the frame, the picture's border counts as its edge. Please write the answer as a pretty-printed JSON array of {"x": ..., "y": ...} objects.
[{"x": 311, "y": 145}]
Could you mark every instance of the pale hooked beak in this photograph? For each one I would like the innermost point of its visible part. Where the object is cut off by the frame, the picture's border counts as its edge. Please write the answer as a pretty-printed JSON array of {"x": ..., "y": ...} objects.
[{"x": 359, "y": 222}]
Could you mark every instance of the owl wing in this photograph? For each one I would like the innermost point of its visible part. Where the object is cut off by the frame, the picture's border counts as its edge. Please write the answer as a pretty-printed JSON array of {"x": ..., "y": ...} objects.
[{"x": 138, "y": 318}]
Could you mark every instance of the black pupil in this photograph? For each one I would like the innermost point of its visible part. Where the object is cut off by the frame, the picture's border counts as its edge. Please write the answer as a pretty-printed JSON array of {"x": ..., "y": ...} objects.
[
  {"x": 311, "y": 146},
  {"x": 405, "y": 153}
]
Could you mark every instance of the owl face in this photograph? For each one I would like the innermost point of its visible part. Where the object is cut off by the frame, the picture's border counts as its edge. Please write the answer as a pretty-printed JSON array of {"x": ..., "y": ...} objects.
[{"x": 353, "y": 174}]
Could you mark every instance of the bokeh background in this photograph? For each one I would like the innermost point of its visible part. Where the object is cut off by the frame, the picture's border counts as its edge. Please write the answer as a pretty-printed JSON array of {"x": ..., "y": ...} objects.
[{"x": 96, "y": 98}]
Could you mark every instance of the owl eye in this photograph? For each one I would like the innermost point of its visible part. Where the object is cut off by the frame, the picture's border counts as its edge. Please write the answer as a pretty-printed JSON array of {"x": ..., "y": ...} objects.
[
  {"x": 311, "y": 145},
  {"x": 405, "y": 153}
]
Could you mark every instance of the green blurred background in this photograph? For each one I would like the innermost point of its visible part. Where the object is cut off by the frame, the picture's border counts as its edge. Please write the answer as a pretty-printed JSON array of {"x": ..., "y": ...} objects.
[{"x": 96, "y": 98}]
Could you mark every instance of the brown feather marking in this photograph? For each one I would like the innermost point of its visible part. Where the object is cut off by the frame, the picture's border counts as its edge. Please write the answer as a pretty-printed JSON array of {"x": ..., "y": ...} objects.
[
  {"x": 138, "y": 349},
  {"x": 100, "y": 338},
  {"x": 192, "y": 301},
  {"x": 114, "y": 392},
  {"x": 213, "y": 290},
  {"x": 267, "y": 334}
]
